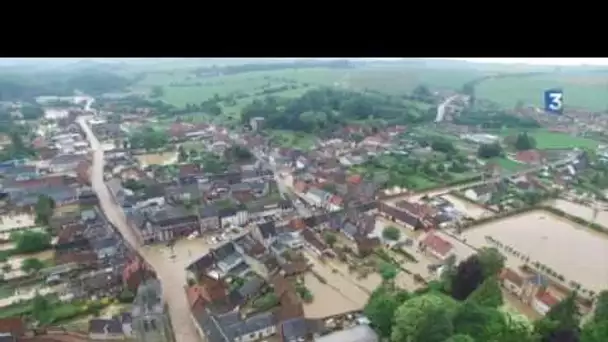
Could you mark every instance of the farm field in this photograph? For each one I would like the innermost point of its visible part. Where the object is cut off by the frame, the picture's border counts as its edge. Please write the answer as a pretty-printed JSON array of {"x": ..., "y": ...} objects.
[
  {"x": 555, "y": 140},
  {"x": 182, "y": 86},
  {"x": 544, "y": 237},
  {"x": 581, "y": 89}
]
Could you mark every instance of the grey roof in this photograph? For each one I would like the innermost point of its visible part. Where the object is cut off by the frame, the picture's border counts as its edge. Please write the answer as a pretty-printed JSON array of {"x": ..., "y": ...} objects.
[
  {"x": 240, "y": 187},
  {"x": 208, "y": 211},
  {"x": 359, "y": 333},
  {"x": 251, "y": 287},
  {"x": 66, "y": 159},
  {"x": 249, "y": 325},
  {"x": 350, "y": 229},
  {"x": 267, "y": 229},
  {"x": 294, "y": 329},
  {"x": 101, "y": 325}
]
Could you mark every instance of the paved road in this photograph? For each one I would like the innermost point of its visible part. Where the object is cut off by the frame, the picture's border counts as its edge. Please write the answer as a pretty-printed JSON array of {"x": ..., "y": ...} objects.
[
  {"x": 441, "y": 107},
  {"x": 172, "y": 276}
]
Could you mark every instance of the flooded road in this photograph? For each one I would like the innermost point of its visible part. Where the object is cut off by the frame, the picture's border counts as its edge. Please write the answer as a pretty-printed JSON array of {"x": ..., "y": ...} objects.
[{"x": 575, "y": 252}]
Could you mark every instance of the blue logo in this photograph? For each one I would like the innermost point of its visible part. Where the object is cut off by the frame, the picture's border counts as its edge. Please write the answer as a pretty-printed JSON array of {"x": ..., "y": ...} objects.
[{"x": 554, "y": 101}]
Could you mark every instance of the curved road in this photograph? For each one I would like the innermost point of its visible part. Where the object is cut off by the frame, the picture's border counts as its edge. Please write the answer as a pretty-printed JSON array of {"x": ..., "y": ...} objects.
[
  {"x": 441, "y": 107},
  {"x": 173, "y": 280}
]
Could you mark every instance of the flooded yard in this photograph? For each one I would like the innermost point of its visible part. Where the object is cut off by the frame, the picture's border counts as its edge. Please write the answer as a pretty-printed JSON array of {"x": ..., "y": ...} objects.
[
  {"x": 467, "y": 208},
  {"x": 341, "y": 293},
  {"x": 577, "y": 253},
  {"x": 581, "y": 211},
  {"x": 16, "y": 221},
  {"x": 157, "y": 158}
]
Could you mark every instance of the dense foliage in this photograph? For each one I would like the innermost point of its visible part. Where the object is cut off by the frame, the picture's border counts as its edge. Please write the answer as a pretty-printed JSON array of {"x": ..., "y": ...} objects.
[
  {"x": 30, "y": 241},
  {"x": 324, "y": 109},
  {"x": 464, "y": 306},
  {"x": 148, "y": 138},
  {"x": 486, "y": 151},
  {"x": 493, "y": 119},
  {"x": 24, "y": 86}
]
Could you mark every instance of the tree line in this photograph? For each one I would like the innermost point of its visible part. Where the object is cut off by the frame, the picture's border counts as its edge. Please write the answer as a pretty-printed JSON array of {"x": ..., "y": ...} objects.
[{"x": 324, "y": 109}]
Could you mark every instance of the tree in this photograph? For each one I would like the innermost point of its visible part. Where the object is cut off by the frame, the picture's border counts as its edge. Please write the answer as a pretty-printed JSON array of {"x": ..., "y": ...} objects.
[
  {"x": 460, "y": 338},
  {"x": 330, "y": 238},
  {"x": 468, "y": 277},
  {"x": 31, "y": 265},
  {"x": 387, "y": 271},
  {"x": 31, "y": 241},
  {"x": 492, "y": 262},
  {"x": 6, "y": 268},
  {"x": 391, "y": 233},
  {"x": 562, "y": 321},
  {"x": 41, "y": 309},
  {"x": 435, "y": 326},
  {"x": 443, "y": 145},
  {"x": 487, "y": 294},
  {"x": 157, "y": 91},
  {"x": 381, "y": 306},
  {"x": 487, "y": 151},
  {"x": 44, "y": 208},
  {"x": 600, "y": 314},
  {"x": 595, "y": 332},
  {"x": 478, "y": 322},
  {"x": 524, "y": 142},
  {"x": 412, "y": 313},
  {"x": 182, "y": 156},
  {"x": 422, "y": 92}
]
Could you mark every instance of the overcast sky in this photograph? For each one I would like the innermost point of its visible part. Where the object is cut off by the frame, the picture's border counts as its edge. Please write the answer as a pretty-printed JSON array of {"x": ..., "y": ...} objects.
[
  {"x": 538, "y": 61},
  {"x": 533, "y": 61}
]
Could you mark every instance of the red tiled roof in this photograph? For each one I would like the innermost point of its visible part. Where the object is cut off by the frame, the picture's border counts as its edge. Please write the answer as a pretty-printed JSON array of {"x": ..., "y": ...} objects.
[
  {"x": 13, "y": 325},
  {"x": 547, "y": 298},
  {"x": 529, "y": 156},
  {"x": 437, "y": 244},
  {"x": 355, "y": 179}
]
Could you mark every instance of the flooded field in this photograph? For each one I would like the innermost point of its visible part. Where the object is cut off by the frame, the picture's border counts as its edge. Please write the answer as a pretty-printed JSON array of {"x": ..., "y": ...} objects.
[
  {"x": 467, "y": 208},
  {"x": 340, "y": 294},
  {"x": 157, "y": 158},
  {"x": 575, "y": 252},
  {"x": 581, "y": 211}
]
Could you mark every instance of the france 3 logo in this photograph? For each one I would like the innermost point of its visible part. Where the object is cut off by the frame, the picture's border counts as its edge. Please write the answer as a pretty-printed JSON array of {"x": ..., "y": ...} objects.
[{"x": 554, "y": 101}]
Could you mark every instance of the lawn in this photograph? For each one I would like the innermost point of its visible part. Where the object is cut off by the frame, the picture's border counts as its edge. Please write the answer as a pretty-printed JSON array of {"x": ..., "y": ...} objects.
[
  {"x": 581, "y": 89},
  {"x": 508, "y": 164},
  {"x": 292, "y": 139},
  {"x": 555, "y": 140}
]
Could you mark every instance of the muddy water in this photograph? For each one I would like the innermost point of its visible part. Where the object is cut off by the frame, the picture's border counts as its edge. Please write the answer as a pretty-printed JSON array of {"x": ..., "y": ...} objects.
[
  {"x": 575, "y": 252},
  {"x": 581, "y": 211}
]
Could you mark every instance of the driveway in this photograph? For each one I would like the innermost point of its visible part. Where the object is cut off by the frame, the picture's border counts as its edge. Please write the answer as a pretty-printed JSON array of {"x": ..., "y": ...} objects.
[{"x": 172, "y": 277}]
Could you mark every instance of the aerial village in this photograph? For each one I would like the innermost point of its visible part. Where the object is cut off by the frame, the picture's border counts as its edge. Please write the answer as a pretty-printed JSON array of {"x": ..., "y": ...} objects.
[{"x": 265, "y": 242}]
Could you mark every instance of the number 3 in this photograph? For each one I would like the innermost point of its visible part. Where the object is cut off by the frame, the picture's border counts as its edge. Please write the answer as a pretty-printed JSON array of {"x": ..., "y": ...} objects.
[{"x": 556, "y": 101}]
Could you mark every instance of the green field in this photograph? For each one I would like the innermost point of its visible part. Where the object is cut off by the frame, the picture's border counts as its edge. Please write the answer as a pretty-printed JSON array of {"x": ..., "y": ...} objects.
[
  {"x": 555, "y": 140},
  {"x": 508, "y": 164},
  {"x": 581, "y": 90},
  {"x": 182, "y": 86},
  {"x": 299, "y": 140}
]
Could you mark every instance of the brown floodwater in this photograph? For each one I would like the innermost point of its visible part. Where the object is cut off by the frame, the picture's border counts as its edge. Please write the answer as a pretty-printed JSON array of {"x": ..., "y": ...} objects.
[{"x": 577, "y": 253}]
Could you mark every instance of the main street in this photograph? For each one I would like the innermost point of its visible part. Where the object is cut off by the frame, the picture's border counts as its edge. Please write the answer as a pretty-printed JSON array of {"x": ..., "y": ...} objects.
[{"x": 171, "y": 276}]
